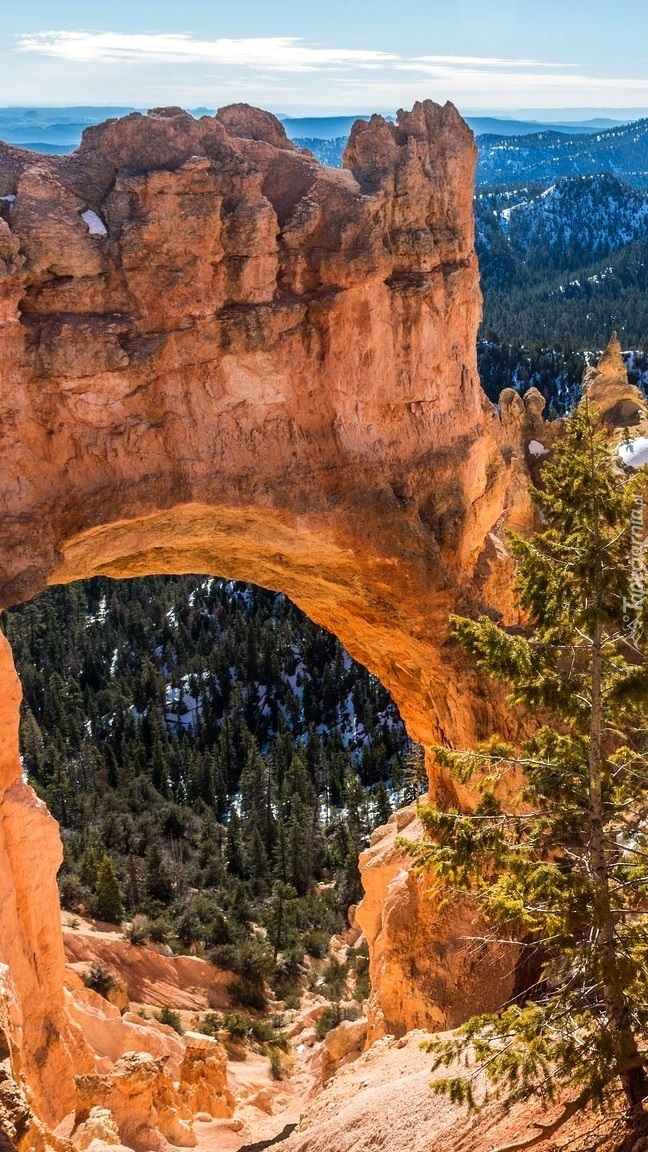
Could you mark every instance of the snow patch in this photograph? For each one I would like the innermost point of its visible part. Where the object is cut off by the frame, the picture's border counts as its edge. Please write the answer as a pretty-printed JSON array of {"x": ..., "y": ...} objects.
[
  {"x": 635, "y": 452},
  {"x": 95, "y": 224}
]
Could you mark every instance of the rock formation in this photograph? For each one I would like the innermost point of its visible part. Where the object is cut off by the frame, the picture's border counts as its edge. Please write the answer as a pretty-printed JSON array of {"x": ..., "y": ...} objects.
[
  {"x": 109, "y": 1034},
  {"x": 203, "y": 1076},
  {"x": 20, "y": 1128},
  {"x": 147, "y": 974},
  {"x": 618, "y": 404},
  {"x": 138, "y": 1100},
  {"x": 218, "y": 356},
  {"x": 31, "y": 944},
  {"x": 425, "y": 972}
]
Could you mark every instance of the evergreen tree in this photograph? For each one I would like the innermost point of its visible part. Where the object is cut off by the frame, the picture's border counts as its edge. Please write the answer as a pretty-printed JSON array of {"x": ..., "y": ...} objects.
[
  {"x": 108, "y": 902},
  {"x": 414, "y": 773},
  {"x": 565, "y": 869},
  {"x": 297, "y": 847},
  {"x": 280, "y": 915},
  {"x": 100, "y": 662},
  {"x": 234, "y": 851},
  {"x": 157, "y": 878},
  {"x": 281, "y": 852},
  {"x": 257, "y": 857},
  {"x": 383, "y": 804},
  {"x": 88, "y": 868}
]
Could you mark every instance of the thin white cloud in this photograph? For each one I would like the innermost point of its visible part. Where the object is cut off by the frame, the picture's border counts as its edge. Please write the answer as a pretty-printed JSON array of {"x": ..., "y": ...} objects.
[
  {"x": 291, "y": 69},
  {"x": 485, "y": 61},
  {"x": 278, "y": 53},
  {"x": 275, "y": 53},
  {"x": 469, "y": 80}
]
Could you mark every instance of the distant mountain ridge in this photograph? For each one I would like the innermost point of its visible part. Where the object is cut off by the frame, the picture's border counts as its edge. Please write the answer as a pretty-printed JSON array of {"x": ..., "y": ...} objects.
[
  {"x": 548, "y": 156},
  {"x": 60, "y": 129},
  {"x": 330, "y": 127}
]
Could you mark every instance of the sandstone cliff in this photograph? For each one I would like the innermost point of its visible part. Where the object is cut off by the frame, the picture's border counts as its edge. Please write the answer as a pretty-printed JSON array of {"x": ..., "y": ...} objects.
[
  {"x": 218, "y": 356},
  {"x": 426, "y": 969}
]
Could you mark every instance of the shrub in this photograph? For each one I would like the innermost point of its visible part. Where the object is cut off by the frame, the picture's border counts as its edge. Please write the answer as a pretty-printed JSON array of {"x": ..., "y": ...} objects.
[
  {"x": 236, "y": 1025},
  {"x": 334, "y": 977},
  {"x": 316, "y": 943},
  {"x": 188, "y": 928},
  {"x": 287, "y": 987},
  {"x": 137, "y": 931},
  {"x": 100, "y": 980},
  {"x": 276, "y": 1065},
  {"x": 210, "y": 1025},
  {"x": 362, "y": 986},
  {"x": 250, "y": 961},
  {"x": 73, "y": 893},
  {"x": 167, "y": 1015},
  {"x": 265, "y": 1033},
  {"x": 223, "y": 956},
  {"x": 217, "y": 931},
  {"x": 158, "y": 931},
  {"x": 250, "y": 992},
  {"x": 240, "y": 1027}
]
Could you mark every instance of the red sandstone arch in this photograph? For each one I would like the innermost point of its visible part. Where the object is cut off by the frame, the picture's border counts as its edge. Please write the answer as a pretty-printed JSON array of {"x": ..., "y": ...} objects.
[{"x": 246, "y": 365}]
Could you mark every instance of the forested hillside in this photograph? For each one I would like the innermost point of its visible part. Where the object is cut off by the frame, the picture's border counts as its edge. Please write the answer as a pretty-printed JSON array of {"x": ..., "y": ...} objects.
[
  {"x": 564, "y": 265},
  {"x": 578, "y": 308},
  {"x": 548, "y": 156},
  {"x": 569, "y": 223},
  {"x": 215, "y": 760}
]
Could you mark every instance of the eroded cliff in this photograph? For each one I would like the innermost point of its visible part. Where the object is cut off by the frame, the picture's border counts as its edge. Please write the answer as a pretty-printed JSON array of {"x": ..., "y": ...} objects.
[{"x": 218, "y": 356}]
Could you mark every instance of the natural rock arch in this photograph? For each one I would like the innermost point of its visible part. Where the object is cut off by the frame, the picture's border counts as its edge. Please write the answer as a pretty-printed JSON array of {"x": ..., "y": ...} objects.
[{"x": 217, "y": 356}]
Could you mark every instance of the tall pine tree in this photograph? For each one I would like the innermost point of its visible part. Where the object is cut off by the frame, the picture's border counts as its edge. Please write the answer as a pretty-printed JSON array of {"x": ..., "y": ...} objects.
[{"x": 564, "y": 868}]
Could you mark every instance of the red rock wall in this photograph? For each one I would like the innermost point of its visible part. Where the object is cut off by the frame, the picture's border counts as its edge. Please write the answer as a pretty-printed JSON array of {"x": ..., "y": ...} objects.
[{"x": 252, "y": 366}]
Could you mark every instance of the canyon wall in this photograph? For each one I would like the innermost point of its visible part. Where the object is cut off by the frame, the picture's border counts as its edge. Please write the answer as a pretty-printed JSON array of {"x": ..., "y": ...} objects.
[{"x": 218, "y": 356}]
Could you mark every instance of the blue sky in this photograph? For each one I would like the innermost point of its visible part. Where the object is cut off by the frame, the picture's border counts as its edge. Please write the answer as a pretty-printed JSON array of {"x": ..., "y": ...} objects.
[{"x": 333, "y": 56}]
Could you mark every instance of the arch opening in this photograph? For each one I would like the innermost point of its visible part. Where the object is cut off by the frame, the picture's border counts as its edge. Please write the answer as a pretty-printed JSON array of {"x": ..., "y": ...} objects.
[
  {"x": 316, "y": 573},
  {"x": 45, "y": 1029}
]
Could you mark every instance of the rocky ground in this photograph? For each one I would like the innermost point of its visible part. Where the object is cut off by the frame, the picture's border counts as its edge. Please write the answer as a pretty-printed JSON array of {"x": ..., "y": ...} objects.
[
  {"x": 384, "y": 1100},
  {"x": 151, "y": 1086}
]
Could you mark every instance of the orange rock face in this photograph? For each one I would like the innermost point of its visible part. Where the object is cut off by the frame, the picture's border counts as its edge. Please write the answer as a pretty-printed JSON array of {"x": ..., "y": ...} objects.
[
  {"x": 203, "y": 1077},
  {"x": 218, "y": 356},
  {"x": 139, "y": 1101},
  {"x": 30, "y": 926},
  {"x": 149, "y": 976},
  {"x": 426, "y": 969}
]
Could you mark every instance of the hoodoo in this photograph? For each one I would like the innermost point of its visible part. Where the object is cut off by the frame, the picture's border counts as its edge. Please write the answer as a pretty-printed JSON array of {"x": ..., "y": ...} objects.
[{"x": 219, "y": 356}]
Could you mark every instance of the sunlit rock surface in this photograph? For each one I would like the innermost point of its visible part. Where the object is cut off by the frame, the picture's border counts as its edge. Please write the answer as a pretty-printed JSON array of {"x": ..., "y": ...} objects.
[{"x": 218, "y": 356}]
